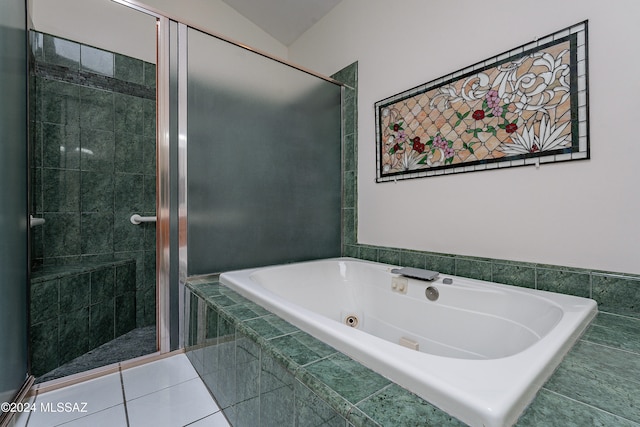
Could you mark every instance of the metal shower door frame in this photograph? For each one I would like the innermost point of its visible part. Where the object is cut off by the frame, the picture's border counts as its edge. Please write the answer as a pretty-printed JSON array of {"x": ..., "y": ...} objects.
[{"x": 171, "y": 201}]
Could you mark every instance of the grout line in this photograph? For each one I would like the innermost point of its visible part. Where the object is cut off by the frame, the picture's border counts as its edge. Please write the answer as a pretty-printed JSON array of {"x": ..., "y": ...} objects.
[
  {"x": 614, "y": 275},
  {"x": 624, "y": 316},
  {"x": 320, "y": 359},
  {"x": 124, "y": 396},
  {"x": 197, "y": 377},
  {"x": 279, "y": 336},
  {"x": 588, "y": 405},
  {"x": 353, "y": 408},
  {"x": 200, "y": 419},
  {"x": 635, "y": 353},
  {"x": 35, "y": 398},
  {"x": 374, "y": 393},
  {"x": 87, "y": 416}
]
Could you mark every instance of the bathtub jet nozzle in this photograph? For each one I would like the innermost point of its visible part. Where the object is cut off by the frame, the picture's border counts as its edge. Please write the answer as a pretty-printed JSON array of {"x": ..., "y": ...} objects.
[
  {"x": 351, "y": 320},
  {"x": 431, "y": 293}
]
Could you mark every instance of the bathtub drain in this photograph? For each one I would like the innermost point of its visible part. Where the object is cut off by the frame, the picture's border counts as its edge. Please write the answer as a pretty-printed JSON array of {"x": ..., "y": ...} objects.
[{"x": 351, "y": 320}]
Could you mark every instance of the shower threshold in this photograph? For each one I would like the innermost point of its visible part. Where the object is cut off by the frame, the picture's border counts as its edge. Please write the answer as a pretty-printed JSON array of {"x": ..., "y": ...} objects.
[{"x": 135, "y": 343}]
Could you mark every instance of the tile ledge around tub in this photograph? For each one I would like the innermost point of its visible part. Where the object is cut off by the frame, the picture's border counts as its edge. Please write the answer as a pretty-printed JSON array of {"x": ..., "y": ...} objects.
[
  {"x": 471, "y": 258},
  {"x": 352, "y": 412}
]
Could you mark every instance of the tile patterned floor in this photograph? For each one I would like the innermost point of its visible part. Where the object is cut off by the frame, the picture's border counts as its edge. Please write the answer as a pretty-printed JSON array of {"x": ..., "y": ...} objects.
[{"x": 167, "y": 392}]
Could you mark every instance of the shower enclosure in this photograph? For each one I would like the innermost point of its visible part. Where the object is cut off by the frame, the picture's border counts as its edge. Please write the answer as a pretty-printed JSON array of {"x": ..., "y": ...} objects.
[
  {"x": 93, "y": 275},
  {"x": 249, "y": 161},
  {"x": 236, "y": 154}
]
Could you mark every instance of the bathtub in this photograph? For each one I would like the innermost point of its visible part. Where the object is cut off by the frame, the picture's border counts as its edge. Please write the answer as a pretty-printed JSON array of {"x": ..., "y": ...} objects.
[{"x": 479, "y": 351}]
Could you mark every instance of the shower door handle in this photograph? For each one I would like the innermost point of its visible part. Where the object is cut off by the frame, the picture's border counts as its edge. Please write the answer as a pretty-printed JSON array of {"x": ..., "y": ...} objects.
[{"x": 137, "y": 219}]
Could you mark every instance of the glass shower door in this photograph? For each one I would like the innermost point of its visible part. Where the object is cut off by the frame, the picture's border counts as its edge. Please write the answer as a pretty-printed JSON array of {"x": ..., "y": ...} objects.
[
  {"x": 13, "y": 193},
  {"x": 93, "y": 299}
]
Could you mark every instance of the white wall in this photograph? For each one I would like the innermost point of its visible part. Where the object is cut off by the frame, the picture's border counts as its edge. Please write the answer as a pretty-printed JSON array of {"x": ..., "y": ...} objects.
[
  {"x": 581, "y": 214},
  {"x": 111, "y": 26}
]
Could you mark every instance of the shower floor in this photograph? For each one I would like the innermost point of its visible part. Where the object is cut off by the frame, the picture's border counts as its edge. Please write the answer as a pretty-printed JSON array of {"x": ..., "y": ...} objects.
[{"x": 136, "y": 343}]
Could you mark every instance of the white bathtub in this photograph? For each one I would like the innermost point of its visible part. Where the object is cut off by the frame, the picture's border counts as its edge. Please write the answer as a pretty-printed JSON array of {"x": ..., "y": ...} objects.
[{"x": 484, "y": 348}]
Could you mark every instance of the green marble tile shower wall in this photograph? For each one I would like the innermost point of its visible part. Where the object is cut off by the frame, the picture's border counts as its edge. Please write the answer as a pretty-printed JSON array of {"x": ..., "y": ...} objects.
[
  {"x": 74, "y": 310},
  {"x": 93, "y": 160}
]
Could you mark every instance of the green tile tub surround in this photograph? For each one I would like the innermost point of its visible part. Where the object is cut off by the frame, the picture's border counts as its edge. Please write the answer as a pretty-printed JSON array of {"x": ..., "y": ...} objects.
[
  {"x": 615, "y": 292},
  {"x": 75, "y": 309},
  {"x": 249, "y": 364},
  {"x": 94, "y": 162},
  {"x": 301, "y": 380},
  {"x": 596, "y": 384}
]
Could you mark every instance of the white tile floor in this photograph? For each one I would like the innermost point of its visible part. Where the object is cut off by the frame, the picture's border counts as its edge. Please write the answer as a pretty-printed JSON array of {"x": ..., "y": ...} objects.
[{"x": 167, "y": 392}]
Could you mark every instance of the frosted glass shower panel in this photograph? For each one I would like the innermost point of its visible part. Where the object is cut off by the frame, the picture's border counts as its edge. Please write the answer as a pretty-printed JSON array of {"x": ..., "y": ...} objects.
[
  {"x": 14, "y": 262},
  {"x": 263, "y": 160}
]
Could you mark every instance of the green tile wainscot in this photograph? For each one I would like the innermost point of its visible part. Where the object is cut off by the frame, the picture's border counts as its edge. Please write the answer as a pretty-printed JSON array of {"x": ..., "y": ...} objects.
[{"x": 264, "y": 371}]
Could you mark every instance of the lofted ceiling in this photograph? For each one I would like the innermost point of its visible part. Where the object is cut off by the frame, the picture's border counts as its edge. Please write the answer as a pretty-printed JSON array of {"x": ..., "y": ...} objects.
[{"x": 284, "y": 20}]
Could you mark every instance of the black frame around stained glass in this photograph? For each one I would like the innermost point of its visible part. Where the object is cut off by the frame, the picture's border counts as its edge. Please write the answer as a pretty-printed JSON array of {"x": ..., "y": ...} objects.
[{"x": 576, "y": 37}]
